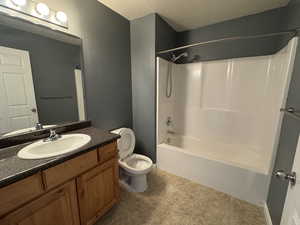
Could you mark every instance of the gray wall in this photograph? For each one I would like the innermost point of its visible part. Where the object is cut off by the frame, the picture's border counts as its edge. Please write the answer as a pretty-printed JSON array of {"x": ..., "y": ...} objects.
[
  {"x": 53, "y": 63},
  {"x": 266, "y": 22},
  {"x": 148, "y": 35},
  {"x": 166, "y": 36},
  {"x": 144, "y": 84},
  {"x": 106, "y": 50},
  {"x": 262, "y": 23}
]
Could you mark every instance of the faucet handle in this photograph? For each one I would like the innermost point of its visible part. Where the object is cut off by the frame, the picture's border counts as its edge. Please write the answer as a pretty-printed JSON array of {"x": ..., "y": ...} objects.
[
  {"x": 53, "y": 136},
  {"x": 52, "y": 132}
]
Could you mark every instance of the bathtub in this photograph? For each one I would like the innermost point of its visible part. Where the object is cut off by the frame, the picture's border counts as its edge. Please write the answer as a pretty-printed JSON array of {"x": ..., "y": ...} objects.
[{"x": 230, "y": 168}]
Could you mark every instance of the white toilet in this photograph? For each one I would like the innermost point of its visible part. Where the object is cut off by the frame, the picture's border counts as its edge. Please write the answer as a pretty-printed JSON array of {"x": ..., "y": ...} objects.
[{"x": 134, "y": 167}]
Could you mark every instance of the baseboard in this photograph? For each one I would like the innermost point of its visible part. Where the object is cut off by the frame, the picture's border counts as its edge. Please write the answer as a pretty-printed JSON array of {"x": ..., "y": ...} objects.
[{"x": 267, "y": 214}]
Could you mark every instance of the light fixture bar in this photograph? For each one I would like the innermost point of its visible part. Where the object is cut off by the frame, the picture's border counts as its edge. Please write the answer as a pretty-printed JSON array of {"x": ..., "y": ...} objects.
[{"x": 31, "y": 8}]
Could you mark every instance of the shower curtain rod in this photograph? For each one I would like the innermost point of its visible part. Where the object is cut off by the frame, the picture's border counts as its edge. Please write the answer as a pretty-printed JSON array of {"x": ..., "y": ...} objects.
[{"x": 294, "y": 32}]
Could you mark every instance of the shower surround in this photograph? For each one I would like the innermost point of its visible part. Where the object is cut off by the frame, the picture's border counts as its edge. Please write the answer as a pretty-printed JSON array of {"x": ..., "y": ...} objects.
[{"x": 224, "y": 120}]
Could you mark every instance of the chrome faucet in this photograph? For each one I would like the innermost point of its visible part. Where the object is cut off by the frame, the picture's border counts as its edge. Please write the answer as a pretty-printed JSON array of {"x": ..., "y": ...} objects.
[
  {"x": 53, "y": 136},
  {"x": 39, "y": 126}
]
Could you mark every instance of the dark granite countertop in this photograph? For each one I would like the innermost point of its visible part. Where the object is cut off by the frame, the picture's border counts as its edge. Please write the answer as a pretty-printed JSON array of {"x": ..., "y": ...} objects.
[{"x": 13, "y": 168}]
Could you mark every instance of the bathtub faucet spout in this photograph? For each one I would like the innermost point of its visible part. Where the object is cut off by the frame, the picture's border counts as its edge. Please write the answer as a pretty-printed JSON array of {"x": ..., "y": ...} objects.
[{"x": 170, "y": 132}]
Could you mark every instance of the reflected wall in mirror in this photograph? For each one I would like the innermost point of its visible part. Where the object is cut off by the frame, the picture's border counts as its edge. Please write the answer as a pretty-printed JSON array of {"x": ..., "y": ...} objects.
[{"x": 40, "y": 82}]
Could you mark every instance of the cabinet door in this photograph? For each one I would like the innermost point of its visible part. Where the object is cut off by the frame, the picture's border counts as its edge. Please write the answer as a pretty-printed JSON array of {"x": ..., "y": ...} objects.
[
  {"x": 56, "y": 207},
  {"x": 17, "y": 194},
  {"x": 98, "y": 191}
]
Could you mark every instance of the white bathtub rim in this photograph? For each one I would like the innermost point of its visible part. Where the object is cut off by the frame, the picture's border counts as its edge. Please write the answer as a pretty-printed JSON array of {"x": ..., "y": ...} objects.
[{"x": 178, "y": 149}]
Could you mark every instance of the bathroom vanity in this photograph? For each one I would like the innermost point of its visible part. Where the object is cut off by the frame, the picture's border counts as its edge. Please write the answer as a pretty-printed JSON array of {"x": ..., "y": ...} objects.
[{"x": 71, "y": 189}]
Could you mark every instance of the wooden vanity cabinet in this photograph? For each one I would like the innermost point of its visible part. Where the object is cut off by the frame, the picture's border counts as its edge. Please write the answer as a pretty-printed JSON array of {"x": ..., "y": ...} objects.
[
  {"x": 78, "y": 191},
  {"x": 56, "y": 207},
  {"x": 98, "y": 191},
  {"x": 61, "y": 173}
]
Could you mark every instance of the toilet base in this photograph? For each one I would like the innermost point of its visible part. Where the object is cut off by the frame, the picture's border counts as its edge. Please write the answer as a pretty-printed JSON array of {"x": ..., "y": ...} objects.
[
  {"x": 139, "y": 183},
  {"x": 133, "y": 183}
]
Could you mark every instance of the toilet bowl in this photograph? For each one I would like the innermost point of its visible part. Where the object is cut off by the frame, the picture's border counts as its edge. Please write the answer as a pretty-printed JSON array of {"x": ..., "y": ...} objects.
[{"x": 134, "y": 167}]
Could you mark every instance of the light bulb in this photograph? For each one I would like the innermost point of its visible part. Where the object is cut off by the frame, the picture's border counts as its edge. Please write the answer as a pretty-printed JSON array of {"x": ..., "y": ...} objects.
[
  {"x": 43, "y": 9},
  {"x": 61, "y": 16},
  {"x": 19, "y": 2}
]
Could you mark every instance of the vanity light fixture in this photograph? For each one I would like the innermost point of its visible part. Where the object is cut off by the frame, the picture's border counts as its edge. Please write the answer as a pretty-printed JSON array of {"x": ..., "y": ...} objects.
[
  {"x": 19, "y": 2},
  {"x": 42, "y": 9},
  {"x": 38, "y": 10},
  {"x": 61, "y": 16}
]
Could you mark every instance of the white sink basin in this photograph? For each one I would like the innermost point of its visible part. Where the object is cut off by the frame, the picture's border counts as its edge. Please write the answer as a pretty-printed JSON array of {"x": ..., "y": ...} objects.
[{"x": 65, "y": 144}]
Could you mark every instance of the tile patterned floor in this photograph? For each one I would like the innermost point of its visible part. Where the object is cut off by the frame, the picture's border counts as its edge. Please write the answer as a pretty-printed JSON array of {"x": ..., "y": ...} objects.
[{"x": 171, "y": 200}]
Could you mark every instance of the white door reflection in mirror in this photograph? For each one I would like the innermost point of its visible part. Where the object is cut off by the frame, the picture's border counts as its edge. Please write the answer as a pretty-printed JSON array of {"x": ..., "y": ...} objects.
[
  {"x": 17, "y": 99},
  {"x": 80, "y": 95}
]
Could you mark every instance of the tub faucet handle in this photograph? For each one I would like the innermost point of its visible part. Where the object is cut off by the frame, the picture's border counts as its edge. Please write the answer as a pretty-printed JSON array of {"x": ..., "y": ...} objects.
[{"x": 169, "y": 121}]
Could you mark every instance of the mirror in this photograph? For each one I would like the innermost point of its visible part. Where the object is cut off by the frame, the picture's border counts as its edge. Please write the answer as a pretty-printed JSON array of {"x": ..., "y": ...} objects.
[{"x": 41, "y": 81}]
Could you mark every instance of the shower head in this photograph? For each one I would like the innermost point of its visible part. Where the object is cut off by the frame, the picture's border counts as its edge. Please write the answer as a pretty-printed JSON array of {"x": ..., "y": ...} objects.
[{"x": 175, "y": 58}]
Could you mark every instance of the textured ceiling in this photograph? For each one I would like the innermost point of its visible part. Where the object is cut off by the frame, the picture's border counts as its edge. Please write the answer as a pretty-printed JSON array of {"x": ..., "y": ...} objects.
[{"x": 190, "y": 14}]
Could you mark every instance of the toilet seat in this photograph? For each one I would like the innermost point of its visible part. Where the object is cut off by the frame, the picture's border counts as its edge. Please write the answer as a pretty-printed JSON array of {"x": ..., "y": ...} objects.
[
  {"x": 126, "y": 143},
  {"x": 136, "y": 164}
]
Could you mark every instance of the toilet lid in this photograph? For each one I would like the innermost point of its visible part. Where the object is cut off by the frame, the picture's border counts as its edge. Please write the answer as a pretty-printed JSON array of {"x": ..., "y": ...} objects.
[{"x": 126, "y": 143}]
